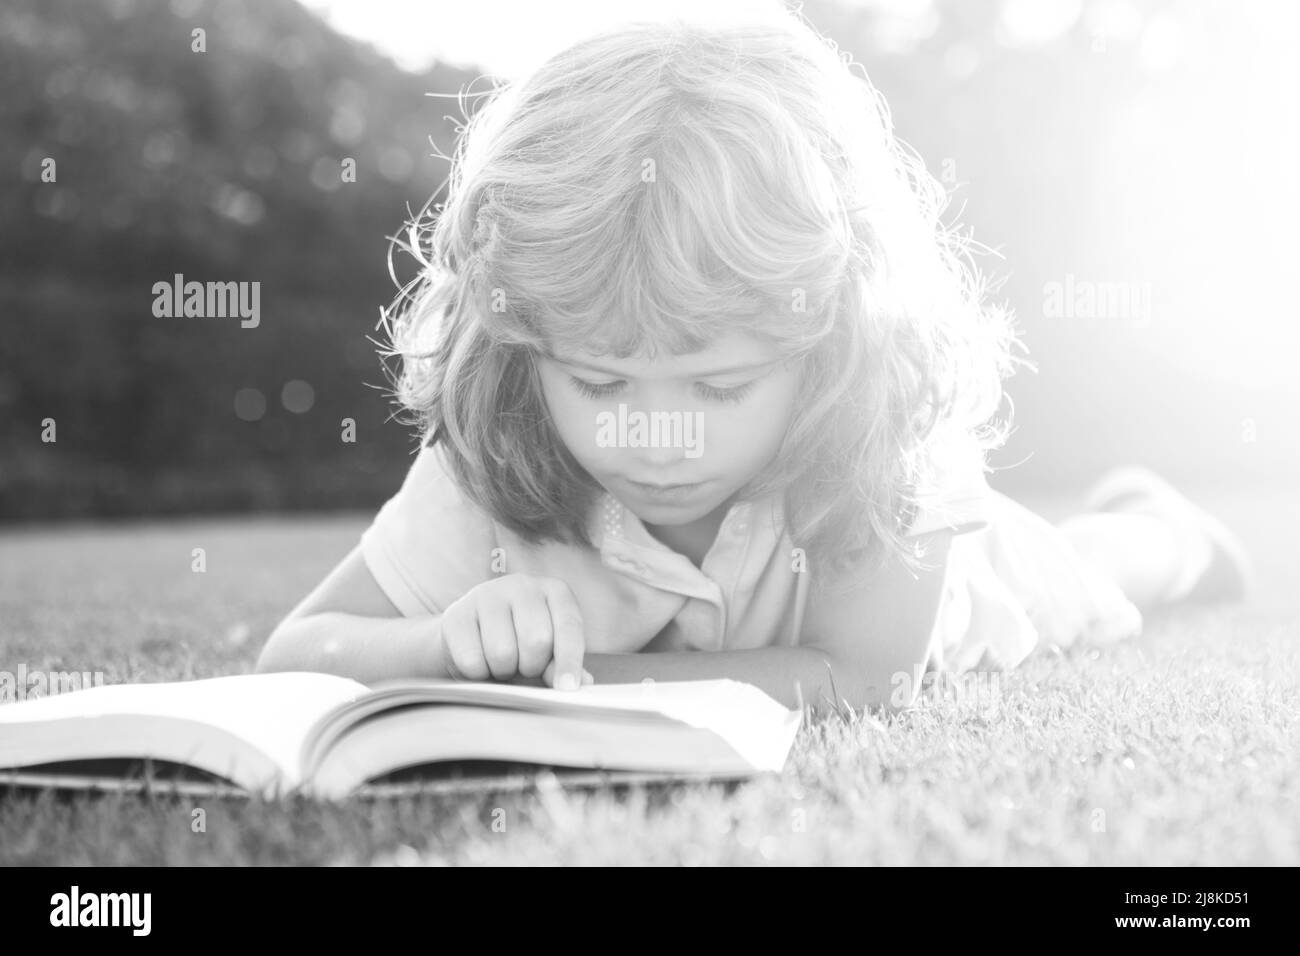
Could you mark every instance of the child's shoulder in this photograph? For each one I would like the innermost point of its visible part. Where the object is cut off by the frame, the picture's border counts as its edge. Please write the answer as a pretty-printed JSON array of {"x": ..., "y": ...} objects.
[
  {"x": 429, "y": 542},
  {"x": 430, "y": 487}
]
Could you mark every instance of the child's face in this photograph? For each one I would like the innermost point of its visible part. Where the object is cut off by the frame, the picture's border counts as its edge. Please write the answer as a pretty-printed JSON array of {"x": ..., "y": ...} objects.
[{"x": 711, "y": 420}]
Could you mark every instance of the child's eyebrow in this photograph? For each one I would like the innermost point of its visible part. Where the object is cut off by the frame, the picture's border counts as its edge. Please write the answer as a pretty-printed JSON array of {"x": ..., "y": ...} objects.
[{"x": 717, "y": 371}]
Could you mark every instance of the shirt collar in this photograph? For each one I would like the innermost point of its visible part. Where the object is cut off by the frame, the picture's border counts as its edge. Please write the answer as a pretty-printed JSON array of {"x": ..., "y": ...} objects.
[{"x": 626, "y": 546}]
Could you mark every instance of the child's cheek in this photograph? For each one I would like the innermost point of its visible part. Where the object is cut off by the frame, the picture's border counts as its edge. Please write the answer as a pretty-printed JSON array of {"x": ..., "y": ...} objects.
[
  {"x": 579, "y": 427},
  {"x": 773, "y": 413},
  {"x": 575, "y": 420}
]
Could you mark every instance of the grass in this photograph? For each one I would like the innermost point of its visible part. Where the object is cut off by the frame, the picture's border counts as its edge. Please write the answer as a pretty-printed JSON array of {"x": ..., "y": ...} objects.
[{"x": 1177, "y": 748}]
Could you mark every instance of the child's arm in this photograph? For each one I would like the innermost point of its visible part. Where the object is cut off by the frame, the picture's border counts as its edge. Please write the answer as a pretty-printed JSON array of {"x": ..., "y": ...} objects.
[
  {"x": 348, "y": 626},
  {"x": 858, "y": 640},
  {"x": 365, "y": 649}
]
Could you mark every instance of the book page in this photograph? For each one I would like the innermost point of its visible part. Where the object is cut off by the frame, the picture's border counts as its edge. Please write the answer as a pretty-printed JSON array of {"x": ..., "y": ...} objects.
[
  {"x": 423, "y": 735},
  {"x": 758, "y": 727},
  {"x": 272, "y": 712},
  {"x": 677, "y": 700}
]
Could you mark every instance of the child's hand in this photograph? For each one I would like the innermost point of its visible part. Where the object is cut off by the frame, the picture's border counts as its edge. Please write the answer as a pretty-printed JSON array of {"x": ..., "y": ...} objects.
[{"x": 516, "y": 625}]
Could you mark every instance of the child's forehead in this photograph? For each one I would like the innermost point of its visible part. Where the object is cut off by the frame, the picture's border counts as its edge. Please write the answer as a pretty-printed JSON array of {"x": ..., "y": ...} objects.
[{"x": 724, "y": 351}]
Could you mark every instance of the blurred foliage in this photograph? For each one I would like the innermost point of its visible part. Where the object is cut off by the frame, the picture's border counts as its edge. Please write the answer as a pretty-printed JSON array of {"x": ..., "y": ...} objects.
[
  {"x": 225, "y": 166},
  {"x": 221, "y": 166}
]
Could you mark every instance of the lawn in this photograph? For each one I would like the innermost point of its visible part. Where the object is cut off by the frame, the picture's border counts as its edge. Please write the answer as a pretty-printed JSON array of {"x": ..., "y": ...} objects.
[{"x": 1178, "y": 748}]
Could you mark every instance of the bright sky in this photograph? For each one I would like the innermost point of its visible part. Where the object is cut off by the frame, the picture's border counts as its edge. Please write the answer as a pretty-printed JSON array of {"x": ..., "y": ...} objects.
[{"x": 501, "y": 36}]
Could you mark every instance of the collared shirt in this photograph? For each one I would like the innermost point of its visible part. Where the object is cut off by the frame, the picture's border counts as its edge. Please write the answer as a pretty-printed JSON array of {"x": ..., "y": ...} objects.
[{"x": 429, "y": 545}]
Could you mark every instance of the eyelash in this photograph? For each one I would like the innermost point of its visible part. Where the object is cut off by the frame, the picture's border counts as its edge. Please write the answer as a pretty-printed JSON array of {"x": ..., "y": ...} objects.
[{"x": 607, "y": 389}]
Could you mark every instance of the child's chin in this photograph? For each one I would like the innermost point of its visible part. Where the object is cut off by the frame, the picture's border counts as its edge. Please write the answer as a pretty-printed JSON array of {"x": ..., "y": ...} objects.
[{"x": 666, "y": 512}]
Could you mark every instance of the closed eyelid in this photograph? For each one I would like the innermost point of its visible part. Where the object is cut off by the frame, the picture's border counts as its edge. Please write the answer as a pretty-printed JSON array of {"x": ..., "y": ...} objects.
[
  {"x": 729, "y": 393},
  {"x": 598, "y": 384},
  {"x": 753, "y": 375},
  {"x": 721, "y": 386},
  {"x": 756, "y": 374}
]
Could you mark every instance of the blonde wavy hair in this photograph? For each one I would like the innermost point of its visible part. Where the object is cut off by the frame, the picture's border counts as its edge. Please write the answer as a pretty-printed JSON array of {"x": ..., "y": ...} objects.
[{"x": 658, "y": 185}]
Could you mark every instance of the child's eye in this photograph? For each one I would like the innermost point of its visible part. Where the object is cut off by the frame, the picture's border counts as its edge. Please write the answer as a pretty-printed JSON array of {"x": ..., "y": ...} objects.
[
  {"x": 594, "y": 389},
  {"x": 735, "y": 394},
  {"x": 605, "y": 389}
]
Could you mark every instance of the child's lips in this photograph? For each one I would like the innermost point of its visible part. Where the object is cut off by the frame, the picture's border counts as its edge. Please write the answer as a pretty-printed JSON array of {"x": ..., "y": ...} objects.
[
  {"x": 656, "y": 486},
  {"x": 662, "y": 491}
]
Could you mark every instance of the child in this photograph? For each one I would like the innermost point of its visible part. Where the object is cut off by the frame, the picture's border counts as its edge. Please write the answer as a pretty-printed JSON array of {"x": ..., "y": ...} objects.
[{"x": 705, "y": 390}]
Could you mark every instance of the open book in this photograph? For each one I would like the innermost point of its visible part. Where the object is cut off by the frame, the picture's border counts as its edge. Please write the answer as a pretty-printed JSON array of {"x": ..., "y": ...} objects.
[{"x": 329, "y": 737}]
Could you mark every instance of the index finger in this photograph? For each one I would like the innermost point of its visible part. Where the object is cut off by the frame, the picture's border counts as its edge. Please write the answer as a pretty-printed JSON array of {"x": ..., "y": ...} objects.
[{"x": 569, "y": 645}]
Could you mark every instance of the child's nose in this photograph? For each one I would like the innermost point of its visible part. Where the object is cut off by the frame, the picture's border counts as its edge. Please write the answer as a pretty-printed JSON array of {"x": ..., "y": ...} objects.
[{"x": 664, "y": 464}]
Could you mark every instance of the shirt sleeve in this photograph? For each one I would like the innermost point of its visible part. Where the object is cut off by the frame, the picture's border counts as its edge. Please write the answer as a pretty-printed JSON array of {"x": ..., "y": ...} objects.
[
  {"x": 428, "y": 544},
  {"x": 962, "y": 501}
]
